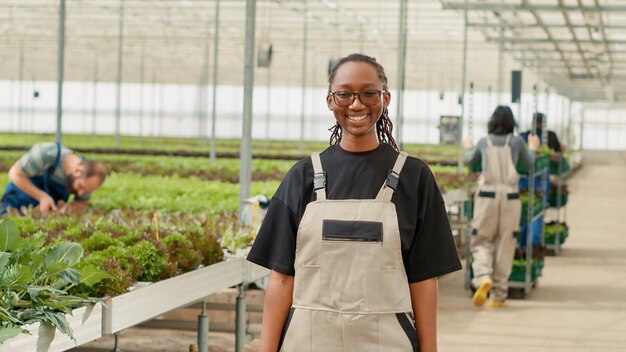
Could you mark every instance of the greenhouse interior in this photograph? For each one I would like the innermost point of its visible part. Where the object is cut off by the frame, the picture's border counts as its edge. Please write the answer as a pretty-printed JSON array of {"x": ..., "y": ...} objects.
[{"x": 189, "y": 119}]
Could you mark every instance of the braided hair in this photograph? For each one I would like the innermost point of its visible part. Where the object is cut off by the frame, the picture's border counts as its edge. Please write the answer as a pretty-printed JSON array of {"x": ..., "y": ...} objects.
[{"x": 384, "y": 127}]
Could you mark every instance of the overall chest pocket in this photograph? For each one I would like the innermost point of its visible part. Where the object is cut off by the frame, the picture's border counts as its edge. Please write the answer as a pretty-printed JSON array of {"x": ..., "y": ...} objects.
[{"x": 352, "y": 230}]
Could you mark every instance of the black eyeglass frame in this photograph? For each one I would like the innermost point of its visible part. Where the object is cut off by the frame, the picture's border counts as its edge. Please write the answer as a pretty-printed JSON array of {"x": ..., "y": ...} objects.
[{"x": 354, "y": 94}]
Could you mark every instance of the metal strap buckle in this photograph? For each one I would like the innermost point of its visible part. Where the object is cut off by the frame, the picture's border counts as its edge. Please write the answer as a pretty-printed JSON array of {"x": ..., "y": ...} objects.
[
  {"x": 319, "y": 181},
  {"x": 392, "y": 180}
]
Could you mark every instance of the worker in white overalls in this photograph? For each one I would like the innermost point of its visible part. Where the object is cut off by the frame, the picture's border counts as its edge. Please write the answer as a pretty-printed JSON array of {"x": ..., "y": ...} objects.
[{"x": 497, "y": 210}]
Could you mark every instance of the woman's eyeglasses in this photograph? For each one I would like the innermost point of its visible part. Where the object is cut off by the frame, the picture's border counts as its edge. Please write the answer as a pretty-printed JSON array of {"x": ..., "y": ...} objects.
[{"x": 367, "y": 98}]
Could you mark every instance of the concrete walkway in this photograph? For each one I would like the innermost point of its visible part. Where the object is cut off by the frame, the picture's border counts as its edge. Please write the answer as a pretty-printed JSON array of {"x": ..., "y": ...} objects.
[{"x": 580, "y": 301}]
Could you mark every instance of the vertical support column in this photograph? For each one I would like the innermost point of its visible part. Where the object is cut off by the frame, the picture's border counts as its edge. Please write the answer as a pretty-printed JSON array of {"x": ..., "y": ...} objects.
[
  {"x": 116, "y": 347},
  {"x": 202, "y": 96},
  {"x": 305, "y": 31},
  {"x": 118, "y": 100},
  {"x": 154, "y": 103},
  {"x": 141, "y": 84},
  {"x": 161, "y": 108},
  {"x": 535, "y": 107},
  {"x": 401, "y": 70},
  {"x": 94, "y": 100},
  {"x": 500, "y": 86},
  {"x": 216, "y": 40},
  {"x": 60, "y": 65},
  {"x": 470, "y": 112},
  {"x": 203, "y": 330},
  {"x": 428, "y": 103},
  {"x": 245, "y": 155},
  {"x": 268, "y": 107},
  {"x": 582, "y": 125},
  {"x": 20, "y": 108},
  {"x": 240, "y": 323},
  {"x": 544, "y": 122},
  {"x": 460, "y": 138}
]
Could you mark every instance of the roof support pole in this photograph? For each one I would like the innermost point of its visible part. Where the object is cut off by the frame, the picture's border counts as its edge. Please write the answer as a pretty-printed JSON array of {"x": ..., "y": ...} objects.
[
  {"x": 268, "y": 97},
  {"x": 141, "y": 86},
  {"x": 216, "y": 41},
  {"x": 401, "y": 68},
  {"x": 94, "y": 98},
  {"x": 305, "y": 35},
  {"x": 60, "y": 65},
  {"x": 245, "y": 154},
  {"x": 202, "y": 95},
  {"x": 499, "y": 90},
  {"x": 118, "y": 95},
  {"x": 20, "y": 96},
  {"x": 461, "y": 151}
]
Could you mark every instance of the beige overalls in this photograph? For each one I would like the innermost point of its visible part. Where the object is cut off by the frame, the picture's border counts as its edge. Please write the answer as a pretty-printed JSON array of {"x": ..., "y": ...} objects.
[
  {"x": 351, "y": 291},
  {"x": 496, "y": 217}
]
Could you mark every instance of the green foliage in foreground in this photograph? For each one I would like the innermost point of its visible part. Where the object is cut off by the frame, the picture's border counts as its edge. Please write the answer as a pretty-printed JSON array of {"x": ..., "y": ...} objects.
[{"x": 35, "y": 281}]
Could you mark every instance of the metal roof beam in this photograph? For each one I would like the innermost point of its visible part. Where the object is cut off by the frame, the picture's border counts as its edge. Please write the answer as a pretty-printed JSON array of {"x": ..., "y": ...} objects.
[
  {"x": 544, "y": 40},
  {"x": 550, "y": 38},
  {"x": 500, "y": 7},
  {"x": 532, "y": 25},
  {"x": 573, "y": 33}
]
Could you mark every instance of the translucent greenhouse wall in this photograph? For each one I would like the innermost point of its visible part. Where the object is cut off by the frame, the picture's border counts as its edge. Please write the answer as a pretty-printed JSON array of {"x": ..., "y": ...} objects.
[{"x": 172, "y": 110}]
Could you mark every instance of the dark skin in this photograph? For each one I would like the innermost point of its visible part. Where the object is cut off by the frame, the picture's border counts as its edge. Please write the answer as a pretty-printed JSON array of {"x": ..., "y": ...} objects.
[
  {"x": 358, "y": 124},
  {"x": 358, "y": 121}
]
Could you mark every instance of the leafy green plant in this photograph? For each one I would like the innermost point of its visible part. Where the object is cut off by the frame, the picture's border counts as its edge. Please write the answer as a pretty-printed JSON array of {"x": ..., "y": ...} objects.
[
  {"x": 235, "y": 237},
  {"x": 154, "y": 265},
  {"x": 35, "y": 280},
  {"x": 182, "y": 252}
]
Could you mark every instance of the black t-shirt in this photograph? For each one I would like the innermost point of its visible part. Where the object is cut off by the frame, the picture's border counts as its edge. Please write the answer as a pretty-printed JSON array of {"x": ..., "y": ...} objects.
[{"x": 428, "y": 249}]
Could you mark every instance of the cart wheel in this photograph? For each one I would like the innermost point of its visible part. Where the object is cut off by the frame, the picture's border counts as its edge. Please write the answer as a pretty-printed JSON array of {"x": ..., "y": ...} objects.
[{"x": 517, "y": 293}]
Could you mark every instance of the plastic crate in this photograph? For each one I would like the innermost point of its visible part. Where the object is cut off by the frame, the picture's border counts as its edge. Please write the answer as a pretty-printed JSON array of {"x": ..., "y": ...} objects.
[
  {"x": 541, "y": 161},
  {"x": 550, "y": 234},
  {"x": 536, "y": 226},
  {"x": 554, "y": 167},
  {"x": 552, "y": 200},
  {"x": 537, "y": 208},
  {"x": 518, "y": 273}
]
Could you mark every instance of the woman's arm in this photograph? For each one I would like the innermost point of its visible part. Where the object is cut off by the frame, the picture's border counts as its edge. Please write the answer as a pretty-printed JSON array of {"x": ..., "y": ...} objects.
[
  {"x": 278, "y": 298},
  {"x": 473, "y": 152},
  {"x": 528, "y": 157},
  {"x": 424, "y": 298}
]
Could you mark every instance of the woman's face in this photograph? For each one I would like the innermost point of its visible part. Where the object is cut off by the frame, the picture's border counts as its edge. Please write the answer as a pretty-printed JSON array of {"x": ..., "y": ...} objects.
[{"x": 357, "y": 121}]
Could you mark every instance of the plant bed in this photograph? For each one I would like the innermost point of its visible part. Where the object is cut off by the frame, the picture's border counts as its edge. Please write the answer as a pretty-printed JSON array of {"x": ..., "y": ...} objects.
[
  {"x": 145, "y": 303},
  {"x": 85, "y": 322}
]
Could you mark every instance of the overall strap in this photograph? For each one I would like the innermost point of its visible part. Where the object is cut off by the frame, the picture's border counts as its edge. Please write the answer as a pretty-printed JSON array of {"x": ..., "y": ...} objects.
[
  {"x": 319, "y": 177},
  {"x": 393, "y": 177},
  {"x": 488, "y": 139},
  {"x": 508, "y": 139},
  {"x": 51, "y": 169}
]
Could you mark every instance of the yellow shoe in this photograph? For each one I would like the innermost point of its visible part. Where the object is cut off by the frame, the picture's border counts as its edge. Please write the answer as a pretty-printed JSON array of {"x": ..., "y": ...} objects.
[
  {"x": 480, "y": 296},
  {"x": 496, "y": 304}
]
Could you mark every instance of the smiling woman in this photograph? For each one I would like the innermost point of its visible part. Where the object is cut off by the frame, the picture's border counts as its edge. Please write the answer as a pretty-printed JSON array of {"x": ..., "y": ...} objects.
[{"x": 356, "y": 235}]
